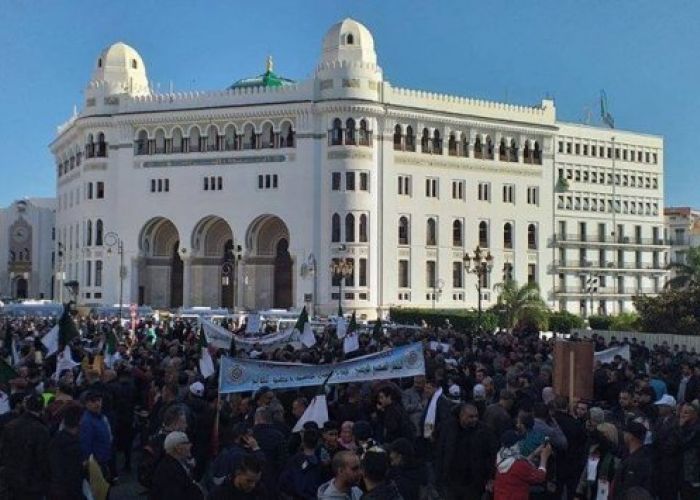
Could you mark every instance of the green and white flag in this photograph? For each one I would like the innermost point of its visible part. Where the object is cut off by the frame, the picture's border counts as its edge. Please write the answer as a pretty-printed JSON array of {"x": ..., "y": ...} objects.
[
  {"x": 110, "y": 348},
  {"x": 206, "y": 363},
  {"x": 351, "y": 342},
  {"x": 303, "y": 327}
]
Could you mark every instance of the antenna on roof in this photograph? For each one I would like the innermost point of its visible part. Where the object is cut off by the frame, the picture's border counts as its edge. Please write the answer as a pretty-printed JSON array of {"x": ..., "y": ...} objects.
[{"x": 604, "y": 113}]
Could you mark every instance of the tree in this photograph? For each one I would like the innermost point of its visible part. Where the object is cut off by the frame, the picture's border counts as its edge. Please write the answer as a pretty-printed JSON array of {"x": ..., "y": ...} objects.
[
  {"x": 517, "y": 303},
  {"x": 564, "y": 321},
  {"x": 672, "y": 311},
  {"x": 687, "y": 274}
]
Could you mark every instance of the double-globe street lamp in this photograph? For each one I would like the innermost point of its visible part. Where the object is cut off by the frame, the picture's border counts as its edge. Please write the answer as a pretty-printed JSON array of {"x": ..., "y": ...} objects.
[
  {"x": 114, "y": 243},
  {"x": 479, "y": 263},
  {"x": 341, "y": 269}
]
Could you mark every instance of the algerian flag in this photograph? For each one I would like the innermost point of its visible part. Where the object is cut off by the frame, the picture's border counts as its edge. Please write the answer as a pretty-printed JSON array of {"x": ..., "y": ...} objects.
[
  {"x": 206, "y": 364},
  {"x": 303, "y": 327},
  {"x": 351, "y": 342},
  {"x": 341, "y": 328},
  {"x": 67, "y": 330},
  {"x": 64, "y": 361},
  {"x": 50, "y": 341},
  {"x": 317, "y": 412}
]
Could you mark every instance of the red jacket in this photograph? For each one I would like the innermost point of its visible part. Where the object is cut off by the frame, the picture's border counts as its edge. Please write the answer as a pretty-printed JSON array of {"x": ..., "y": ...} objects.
[{"x": 515, "y": 484}]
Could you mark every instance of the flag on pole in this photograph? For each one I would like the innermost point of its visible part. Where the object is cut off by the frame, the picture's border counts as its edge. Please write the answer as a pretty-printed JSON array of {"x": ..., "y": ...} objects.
[
  {"x": 50, "y": 341},
  {"x": 206, "y": 363},
  {"x": 303, "y": 327},
  {"x": 64, "y": 361},
  {"x": 341, "y": 328},
  {"x": 317, "y": 412},
  {"x": 67, "y": 330},
  {"x": 351, "y": 342}
]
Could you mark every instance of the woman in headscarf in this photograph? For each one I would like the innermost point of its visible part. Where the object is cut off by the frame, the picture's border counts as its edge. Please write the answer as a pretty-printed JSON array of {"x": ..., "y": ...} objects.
[{"x": 515, "y": 474}]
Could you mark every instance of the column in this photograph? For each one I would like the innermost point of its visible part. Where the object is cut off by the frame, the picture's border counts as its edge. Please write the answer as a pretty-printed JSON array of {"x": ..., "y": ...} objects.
[
  {"x": 186, "y": 280},
  {"x": 133, "y": 292}
]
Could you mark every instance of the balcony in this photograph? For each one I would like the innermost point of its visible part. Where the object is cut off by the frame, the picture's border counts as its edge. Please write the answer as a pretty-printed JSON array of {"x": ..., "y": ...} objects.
[
  {"x": 602, "y": 292},
  {"x": 587, "y": 240},
  {"x": 607, "y": 266}
]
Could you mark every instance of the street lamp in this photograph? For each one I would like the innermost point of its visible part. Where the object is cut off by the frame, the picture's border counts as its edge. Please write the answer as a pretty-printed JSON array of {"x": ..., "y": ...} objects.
[
  {"x": 112, "y": 240},
  {"x": 60, "y": 275},
  {"x": 481, "y": 265},
  {"x": 341, "y": 269}
]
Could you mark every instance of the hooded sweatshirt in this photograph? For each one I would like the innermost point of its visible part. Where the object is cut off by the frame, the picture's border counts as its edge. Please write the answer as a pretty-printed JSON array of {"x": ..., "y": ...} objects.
[{"x": 328, "y": 491}]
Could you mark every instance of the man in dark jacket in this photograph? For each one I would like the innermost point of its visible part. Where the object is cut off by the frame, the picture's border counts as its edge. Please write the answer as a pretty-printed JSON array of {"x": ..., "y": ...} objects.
[
  {"x": 273, "y": 445},
  {"x": 690, "y": 448},
  {"x": 466, "y": 455},
  {"x": 96, "y": 432},
  {"x": 570, "y": 463},
  {"x": 172, "y": 479},
  {"x": 244, "y": 484},
  {"x": 635, "y": 470},
  {"x": 667, "y": 450},
  {"x": 303, "y": 473},
  {"x": 65, "y": 459},
  {"x": 375, "y": 467},
  {"x": 24, "y": 453}
]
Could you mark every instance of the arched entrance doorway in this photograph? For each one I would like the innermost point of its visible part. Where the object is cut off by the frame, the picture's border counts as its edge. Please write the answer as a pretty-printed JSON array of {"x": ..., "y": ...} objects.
[
  {"x": 269, "y": 270},
  {"x": 213, "y": 263},
  {"x": 161, "y": 266},
  {"x": 21, "y": 288}
]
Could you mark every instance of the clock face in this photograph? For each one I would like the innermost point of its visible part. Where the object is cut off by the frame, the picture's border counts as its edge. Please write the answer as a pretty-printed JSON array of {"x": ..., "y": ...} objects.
[{"x": 20, "y": 234}]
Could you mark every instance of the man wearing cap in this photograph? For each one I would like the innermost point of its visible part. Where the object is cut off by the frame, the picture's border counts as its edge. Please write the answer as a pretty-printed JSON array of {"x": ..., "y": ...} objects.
[
  {"x": 636, "y": 469},
  {"x": 172, "y": 479},
  {"x": 96, "y": 433},
  {"x": 667, "y": 452},
  {"x": 690, "y": 449}
]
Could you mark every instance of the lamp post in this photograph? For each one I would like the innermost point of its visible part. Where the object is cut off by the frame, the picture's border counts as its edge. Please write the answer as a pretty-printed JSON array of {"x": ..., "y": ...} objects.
[
  {"x": 341, "y": 269},
  {"x": 481, "y": 265},
  {"x": 59, "y": 274},
  {"x": 112, "y": 240}
]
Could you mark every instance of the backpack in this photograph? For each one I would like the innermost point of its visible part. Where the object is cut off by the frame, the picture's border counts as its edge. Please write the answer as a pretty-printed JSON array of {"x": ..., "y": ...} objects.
[{"x": 151, "y": 455}]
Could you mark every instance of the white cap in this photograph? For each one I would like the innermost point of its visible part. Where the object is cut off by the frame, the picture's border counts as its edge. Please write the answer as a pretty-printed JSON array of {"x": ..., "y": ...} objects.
[
  {"x": 479, "y": 391},
  {"x": 454, "y": 390},
  {"x": 197, "y": 389},
  {"x": 666, "y": 400},
  {"x": 173, "y": 439}
]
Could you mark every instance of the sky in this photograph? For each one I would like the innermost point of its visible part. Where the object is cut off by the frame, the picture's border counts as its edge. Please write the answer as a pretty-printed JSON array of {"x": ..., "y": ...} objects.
[{"x": 642, "y": 53}]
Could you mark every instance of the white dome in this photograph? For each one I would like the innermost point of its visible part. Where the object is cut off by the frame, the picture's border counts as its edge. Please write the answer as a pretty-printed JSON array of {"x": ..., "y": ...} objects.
[
  {"x": 348, "y": 40},
  {"x": 121, "y": 67}
]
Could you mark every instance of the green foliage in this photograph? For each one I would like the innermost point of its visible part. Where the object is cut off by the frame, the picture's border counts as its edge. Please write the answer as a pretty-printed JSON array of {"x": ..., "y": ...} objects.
[
  {"x": 465, "y": 320},
  {"x": 600, "y": 322},
  {"x": 687, "y": 275},
  {"x": 520, "y": 304},
  {"x": 564, "y": 321},
  {"x": 624, "y": 322},
  {"x": 675, "y": 311},
  {"x": 533, "y": 320}
]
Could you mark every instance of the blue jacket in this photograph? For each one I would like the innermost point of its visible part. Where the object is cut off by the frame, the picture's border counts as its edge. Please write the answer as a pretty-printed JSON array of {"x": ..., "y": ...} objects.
[{"x": 95, "y": 437}]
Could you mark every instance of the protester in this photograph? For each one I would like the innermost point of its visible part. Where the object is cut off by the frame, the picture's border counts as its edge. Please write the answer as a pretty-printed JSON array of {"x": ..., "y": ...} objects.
[
  {"x": 96, "y": 432},
  {"x": 636, "y": 469},
  {"x": 375, "y": 469},
  {"x": 65, "y": 459},
  {"x": 515, "y": 474},
  {"x": 172, "y": 479},
  {"x": 346, "y": 477},
  {"x": 245, "y": 482}
]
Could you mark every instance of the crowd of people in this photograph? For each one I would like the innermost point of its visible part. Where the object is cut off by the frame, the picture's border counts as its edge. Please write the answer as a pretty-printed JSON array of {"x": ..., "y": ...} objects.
[{"x": 483, "y": 422}]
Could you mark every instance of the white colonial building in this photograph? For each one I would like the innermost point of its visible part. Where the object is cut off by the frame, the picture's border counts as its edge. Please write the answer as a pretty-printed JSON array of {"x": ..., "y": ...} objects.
[
  {"x": 245, "y": 197},
  {"x": 27, "y": 244},
  {"x": 682, "y": 230}
]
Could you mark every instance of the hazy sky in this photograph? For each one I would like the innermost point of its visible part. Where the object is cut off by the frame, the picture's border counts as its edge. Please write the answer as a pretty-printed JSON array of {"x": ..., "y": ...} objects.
[{"x": 643, "y": 53}]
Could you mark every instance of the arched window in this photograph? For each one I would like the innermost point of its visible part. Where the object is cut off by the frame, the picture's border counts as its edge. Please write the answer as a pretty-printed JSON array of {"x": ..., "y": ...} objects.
[
  {"x": 194, "y": 139},
  {"x": 430, "y": 232},
  {"x": 527, "y": 152},
  {"x": 267, "y": 138},
  {"x": 349, "y": 228},
  {"x": 489, "y": 148},
  {"x": 101, "y": 145},
  {"x": 478, "y": 149},
  {"x": 457, "y": 233},
  {"x": 364, "y": 134},
  {"x": 160, "y": 141},
  {"x": 502, "y": 152},
  {"x": 483, "y": 234},
  {"x": 398, "y": 138},
  {"x": 350, "y": 132},
  {"x": 88, "y": 234},
  {"x": 363, "y": 228},
  {"x": 335, "y": 228},
  {"x": 212, "y": 138},
  {"x": 98, "y": 233},
  {"x": 452, "y": 145},
  {"x": 337, "y": 132},
  {"x": 532, "y": 237},
  {"x": 142, "y": 143},
  {"x": 177, "y": 142},
  {"x": 404, "y": 235},
  {"x": 513, "y": 151},
  {"x": 350, "y": 39},
  {"x": 410, "y": 139},
  {"x": 249, "y": 137},
  {"x": 286, "y": 135},
  {"x": 230, "y": 138},
  {"x": 537, "y": 154},
  {"x": 425, "y": 141},
  {"x": 437, "y": 142},
  {"x": 465, "y": 145},
  {"x": 134, "y": 64},
  {"x": 508, "y": 235}
]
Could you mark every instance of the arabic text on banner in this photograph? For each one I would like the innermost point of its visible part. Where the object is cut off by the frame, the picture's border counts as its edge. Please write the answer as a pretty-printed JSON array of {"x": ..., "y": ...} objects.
[{"x": 243, "y": 375}]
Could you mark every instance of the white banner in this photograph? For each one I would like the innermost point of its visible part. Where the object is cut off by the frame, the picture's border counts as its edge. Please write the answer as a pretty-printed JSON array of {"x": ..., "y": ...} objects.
[{"x": 608, "y": 355}]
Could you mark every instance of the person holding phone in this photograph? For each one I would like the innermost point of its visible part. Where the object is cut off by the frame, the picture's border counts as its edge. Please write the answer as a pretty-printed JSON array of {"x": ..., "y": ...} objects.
[{"x": 515, "y": 474}]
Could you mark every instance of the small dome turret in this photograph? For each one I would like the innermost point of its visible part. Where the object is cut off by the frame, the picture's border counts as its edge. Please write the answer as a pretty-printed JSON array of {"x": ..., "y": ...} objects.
[
  {"x": 348, "y": 41},
  {"x": 120, "y": 68}
]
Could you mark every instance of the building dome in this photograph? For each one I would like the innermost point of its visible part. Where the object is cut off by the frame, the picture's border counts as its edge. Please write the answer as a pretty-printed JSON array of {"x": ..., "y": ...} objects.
[
  {"x": 121, "y": 68},
  {"x": 349, "y": 41},
  {"x": 267, "y": 79}
]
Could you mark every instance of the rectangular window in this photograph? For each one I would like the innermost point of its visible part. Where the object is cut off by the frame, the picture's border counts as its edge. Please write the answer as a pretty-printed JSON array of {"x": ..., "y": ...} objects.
[
  {"x": 405, "y": 185},
  {"x": 457, "y": 274},
  {"x": 88, "y": 273},
  {"x": 568, "y": 148},
  {"x": 89, "y": 191},
  {"x": 578, "y": 149},
  {"x": 533, "y": 195},
  {"x": 335, "y": 181},
  {"x": 261, "y": 181},
  {"x": 403, "y": 274},
  {"x": 153, "y": 185},
  {"x": 206, "y": 183},
  {"x": 349, "y": 181},
  {"x": 430, "y": 274},
  {"x": 274, "y": 181},
  {"x": 484, "y": 191},
  {"x": 532, "y": 273},
  {"x": 431, "y": 188},
  {"x": 167, "y": 185},
  {"x": 585, "y": 149},
  {"x": 268, "y": 181},
  {"x": 160, "y": 185},
  {"x": 561, "y": 146},
  {"x": 363, "y": 273},
  {"x": 220, "y": 183},
  {"x": 508, "y": 193},
  {"x": 457, "y": 190},
  {"x": 350, "y": 279},
  {"x": 364, "y": 181},
  {"x": 98, "y": 273}
]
